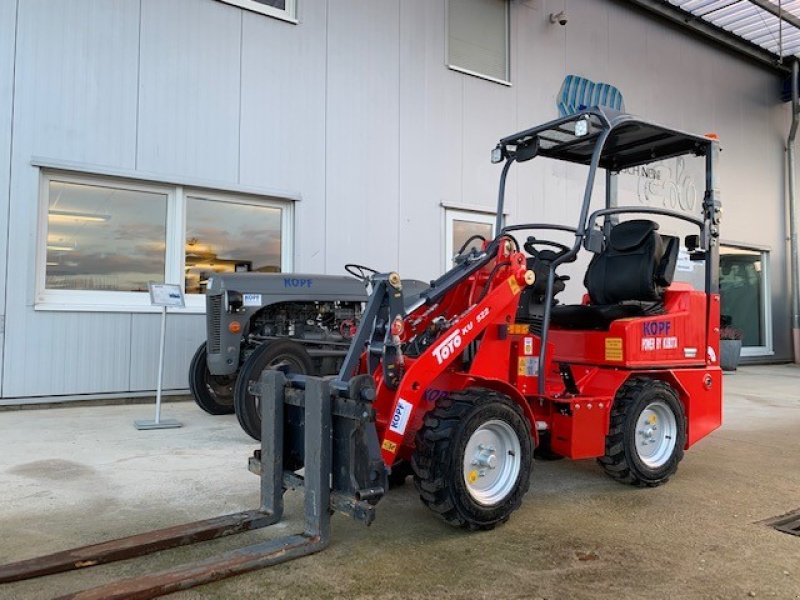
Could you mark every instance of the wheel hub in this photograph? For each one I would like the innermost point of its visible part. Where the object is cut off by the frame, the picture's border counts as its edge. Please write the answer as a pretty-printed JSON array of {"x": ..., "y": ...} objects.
[
  {"x": 492, "y": 462},
  {"x": 656, "y": 431}
]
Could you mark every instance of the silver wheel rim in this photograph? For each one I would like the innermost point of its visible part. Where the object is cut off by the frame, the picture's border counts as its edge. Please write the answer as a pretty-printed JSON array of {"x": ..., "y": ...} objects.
[
  {"x": 656, "y": 434},
  {"x": 492, "y": 462}
]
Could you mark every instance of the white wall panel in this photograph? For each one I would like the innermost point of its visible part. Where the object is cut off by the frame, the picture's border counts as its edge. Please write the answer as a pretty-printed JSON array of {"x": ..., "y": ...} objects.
[
  {"x": 362, "y": 134},
  {"x": 184, "y": 334},
  {"x": 189, "y": 89},
  {"x": 283, "y": 119},
  {"x": 8, "y": 25},
  {"x": 75, "y": 99},
  {"x": 431, "y": 138},
  {"x": 67, "y": 353}
]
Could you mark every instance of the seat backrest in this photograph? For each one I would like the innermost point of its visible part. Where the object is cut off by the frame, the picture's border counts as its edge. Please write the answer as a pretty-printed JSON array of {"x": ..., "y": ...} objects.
[{"x": 636, "y": 264}]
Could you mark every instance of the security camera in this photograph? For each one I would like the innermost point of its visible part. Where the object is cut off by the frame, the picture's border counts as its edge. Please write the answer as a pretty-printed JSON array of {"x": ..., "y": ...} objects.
[{"x": 560, "y": 18}]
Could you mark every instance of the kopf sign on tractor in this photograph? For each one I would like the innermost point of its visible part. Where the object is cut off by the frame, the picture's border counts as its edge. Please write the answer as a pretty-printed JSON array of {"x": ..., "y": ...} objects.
[{"x": 466, "y": 380}]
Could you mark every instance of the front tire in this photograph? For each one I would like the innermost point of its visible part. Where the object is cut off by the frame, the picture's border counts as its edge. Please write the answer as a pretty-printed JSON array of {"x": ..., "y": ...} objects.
[
  {"x": 647, "y": 433},
  {"x": 268, "y": 354},
  {"x": 212, "y": 393},
  {"x": 473, "y": 458}
]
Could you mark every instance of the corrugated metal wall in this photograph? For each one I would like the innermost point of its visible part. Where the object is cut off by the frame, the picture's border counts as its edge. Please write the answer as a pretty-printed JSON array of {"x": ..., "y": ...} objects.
[{"x": 354, "y": 109}]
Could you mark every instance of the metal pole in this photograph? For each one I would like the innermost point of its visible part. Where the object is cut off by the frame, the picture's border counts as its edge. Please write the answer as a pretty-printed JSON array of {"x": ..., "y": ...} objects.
[
  {"x": 161, "y": 363},
  {"x": 157, "y": 423},
  {"x": 793, "y": 215}
]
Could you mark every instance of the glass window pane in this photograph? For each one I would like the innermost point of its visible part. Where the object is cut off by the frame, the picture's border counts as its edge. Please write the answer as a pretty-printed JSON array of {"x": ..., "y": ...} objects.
[
  {"x": 104, "y": 238},
  {"x": 463, "y": 230},
  {"x": 225, "y": 237},
  {"x": 742, "y": 292}
]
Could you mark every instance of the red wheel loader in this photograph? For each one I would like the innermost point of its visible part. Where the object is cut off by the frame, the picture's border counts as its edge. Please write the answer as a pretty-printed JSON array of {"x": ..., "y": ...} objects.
[{"x": 461, "y": 385}]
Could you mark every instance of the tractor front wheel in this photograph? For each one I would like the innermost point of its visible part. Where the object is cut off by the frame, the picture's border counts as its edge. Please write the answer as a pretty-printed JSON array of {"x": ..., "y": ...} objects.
[
  {"x": 212, "y": 393},
  {"x": 473, "y": 458},
  {"x": 267, "y": 355},
  {"x": 647, "y": 433}
]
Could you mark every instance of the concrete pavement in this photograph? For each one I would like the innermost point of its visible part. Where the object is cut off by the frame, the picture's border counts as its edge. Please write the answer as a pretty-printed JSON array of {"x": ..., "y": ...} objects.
[{"x": 80, "y": 475}]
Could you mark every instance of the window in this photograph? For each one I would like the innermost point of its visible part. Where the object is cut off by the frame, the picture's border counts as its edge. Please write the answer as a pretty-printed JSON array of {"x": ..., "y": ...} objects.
[
  {"x": 478, "y": 38},
  {"x": 227, "y": 237},
  {"x": 103, "y": 239},
  {"x": 744, "y": 291},
  {"x": 460, "y": 226},
  {"x": 283, "y": 9}
]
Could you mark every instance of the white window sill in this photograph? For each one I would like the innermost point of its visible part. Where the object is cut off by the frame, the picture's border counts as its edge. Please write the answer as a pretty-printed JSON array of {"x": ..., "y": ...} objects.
[{"x": 479, "y": 75}]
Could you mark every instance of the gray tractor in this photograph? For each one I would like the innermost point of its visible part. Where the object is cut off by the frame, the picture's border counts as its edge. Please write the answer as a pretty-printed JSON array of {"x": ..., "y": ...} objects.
[{"x": 259, "y": 320}]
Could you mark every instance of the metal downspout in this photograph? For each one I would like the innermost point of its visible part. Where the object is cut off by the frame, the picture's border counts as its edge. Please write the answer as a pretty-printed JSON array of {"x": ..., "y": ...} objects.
[{"x": 793, "y": 215}]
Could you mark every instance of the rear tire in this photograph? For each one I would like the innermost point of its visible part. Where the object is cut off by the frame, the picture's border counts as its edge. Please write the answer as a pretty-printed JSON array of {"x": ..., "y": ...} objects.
[
  {"x": 212, "y": 393},
  {"x": 473, "y": 458},
  {"x": 647, "y": 433},
  {"x": 268, "y": 354}
]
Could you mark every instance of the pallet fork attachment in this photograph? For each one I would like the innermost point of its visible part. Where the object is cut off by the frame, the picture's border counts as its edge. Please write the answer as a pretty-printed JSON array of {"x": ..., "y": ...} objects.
[{"x": 329, "y": 421}]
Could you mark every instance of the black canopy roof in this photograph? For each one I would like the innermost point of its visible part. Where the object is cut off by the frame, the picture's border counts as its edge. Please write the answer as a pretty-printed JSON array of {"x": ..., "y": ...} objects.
[{"x": 631, "y": 141}]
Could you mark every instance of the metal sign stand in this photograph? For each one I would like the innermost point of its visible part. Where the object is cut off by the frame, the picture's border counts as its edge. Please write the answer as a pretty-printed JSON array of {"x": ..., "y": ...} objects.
[{"x": 163, "y": 295}]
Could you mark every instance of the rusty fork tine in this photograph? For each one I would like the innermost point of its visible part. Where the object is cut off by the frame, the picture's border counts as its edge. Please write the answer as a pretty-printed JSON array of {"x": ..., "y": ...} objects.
[{"x": 135, "y": 545}]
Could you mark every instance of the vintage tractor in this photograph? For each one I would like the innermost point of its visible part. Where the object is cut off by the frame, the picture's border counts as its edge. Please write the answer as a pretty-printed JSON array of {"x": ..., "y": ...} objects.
[
  {"x": 259, "y": 320},
  {"x": 464, "y": 380}
]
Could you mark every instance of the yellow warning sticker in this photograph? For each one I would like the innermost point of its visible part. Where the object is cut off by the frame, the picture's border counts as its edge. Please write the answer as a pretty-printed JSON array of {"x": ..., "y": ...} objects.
[
  {"x": 389, "y": 446},
  {"x": 512, "y": 283},
  {"x": 472, "y": 476},
  {"x": 613, "y": 348}
]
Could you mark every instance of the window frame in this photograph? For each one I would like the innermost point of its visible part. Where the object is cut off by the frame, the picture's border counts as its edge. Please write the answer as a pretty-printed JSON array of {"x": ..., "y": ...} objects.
[
  {"x": 288, "y": 14},
  {"x": 175, "y": 241},
  {"x": 768, "y": 349},
  {"x": 464, "y": 70},
  {"x": 477, "y": 215}
]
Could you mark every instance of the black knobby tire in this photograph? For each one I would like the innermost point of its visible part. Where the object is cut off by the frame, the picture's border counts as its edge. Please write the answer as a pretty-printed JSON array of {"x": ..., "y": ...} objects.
[
  {"x": 212, "y": 393},
  {"x": 266, "y": 355},
  {"x": 438, "y": 459},
  {"x": 622, "y": 461}
]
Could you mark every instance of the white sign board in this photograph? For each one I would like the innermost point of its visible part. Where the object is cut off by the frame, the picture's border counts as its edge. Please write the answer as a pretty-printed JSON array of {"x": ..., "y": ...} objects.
[{"x": 166, "y": 294}]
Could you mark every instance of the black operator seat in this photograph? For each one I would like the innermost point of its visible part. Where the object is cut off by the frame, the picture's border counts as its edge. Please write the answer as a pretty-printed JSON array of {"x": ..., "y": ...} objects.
[{"x": 626, "y": 279}]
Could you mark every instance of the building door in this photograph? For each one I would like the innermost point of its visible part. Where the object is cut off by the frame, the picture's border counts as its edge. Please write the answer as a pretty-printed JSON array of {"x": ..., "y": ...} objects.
[{"x": 744, "y": 276}]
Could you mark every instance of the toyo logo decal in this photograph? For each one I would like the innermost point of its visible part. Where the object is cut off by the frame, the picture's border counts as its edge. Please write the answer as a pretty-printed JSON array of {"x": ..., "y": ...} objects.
[
  {"x": 400, "y": 417},
  {"x": 452, "y": 342},
  {"x": 297, "y": 282},
  {"x": 656, "y": 327},
  {"x": 446, "y": 347}
]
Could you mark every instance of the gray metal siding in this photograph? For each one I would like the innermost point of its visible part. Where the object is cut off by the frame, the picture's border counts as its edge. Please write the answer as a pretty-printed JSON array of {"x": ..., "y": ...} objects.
[
  {"x": 354, "y": 110},
  {"x": 189, "y": 89},
  {"x": 8, "y": 24}
]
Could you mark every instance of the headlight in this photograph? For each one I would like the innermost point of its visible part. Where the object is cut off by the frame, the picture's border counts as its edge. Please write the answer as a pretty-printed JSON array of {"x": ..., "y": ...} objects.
[{"x": 233, "y": 300}]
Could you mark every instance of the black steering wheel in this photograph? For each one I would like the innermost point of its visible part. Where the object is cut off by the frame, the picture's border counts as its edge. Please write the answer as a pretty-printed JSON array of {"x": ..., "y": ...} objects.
[
  {"x": 531, "y": 243},
  {"x": 360, "y": 271}
]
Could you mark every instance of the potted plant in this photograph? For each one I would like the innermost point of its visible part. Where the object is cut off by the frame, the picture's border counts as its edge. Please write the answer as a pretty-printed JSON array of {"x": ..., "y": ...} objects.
[{"x": 730, "y": 347}]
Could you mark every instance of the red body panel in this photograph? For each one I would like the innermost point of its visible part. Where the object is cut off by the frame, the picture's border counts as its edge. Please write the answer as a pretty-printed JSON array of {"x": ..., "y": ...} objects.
[{"x": 679, "y": 346}]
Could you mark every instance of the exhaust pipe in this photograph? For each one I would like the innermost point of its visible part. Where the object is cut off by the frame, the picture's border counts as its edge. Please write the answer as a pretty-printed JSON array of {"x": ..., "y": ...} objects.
[{"x": 793, "y": 215}]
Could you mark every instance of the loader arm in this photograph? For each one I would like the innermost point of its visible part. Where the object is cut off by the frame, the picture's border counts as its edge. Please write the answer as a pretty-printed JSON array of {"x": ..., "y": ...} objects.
[{"x": 406, "y": 405}]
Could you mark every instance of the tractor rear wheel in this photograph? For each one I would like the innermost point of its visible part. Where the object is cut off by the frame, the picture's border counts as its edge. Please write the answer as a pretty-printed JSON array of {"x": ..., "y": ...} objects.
[
  {"x": 212, "y": 393},
  {"x": 268, "y": 354},
  {"x": 647, "y": 433},
  {"x": 473, "y": 458}
]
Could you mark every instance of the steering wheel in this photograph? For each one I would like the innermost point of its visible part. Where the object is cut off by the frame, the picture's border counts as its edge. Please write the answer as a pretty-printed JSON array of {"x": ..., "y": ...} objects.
[
  {"x": 360, "y": 271},
  {"x": 532, "y": 242}
]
